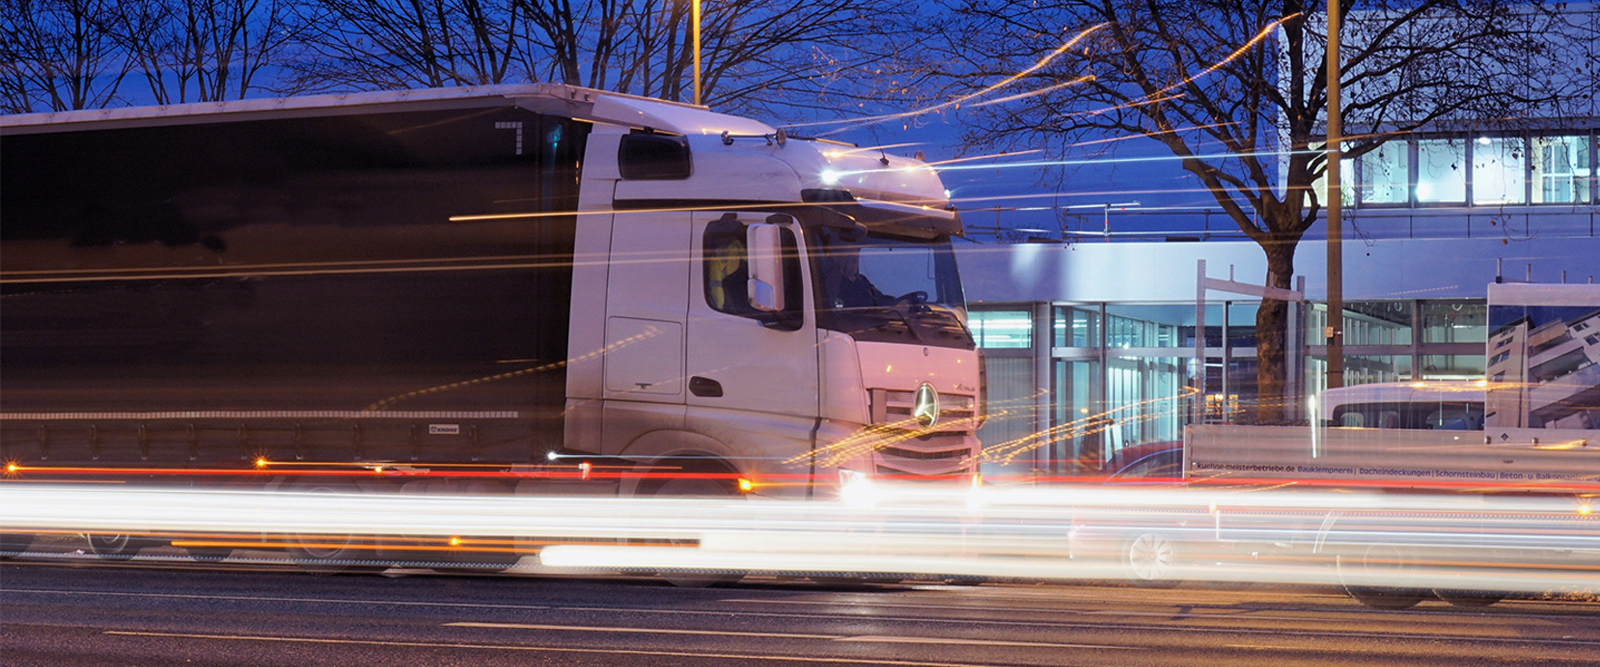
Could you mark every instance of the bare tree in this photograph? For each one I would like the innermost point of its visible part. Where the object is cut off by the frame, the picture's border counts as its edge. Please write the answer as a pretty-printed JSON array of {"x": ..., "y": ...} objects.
[
  {"x": 59, "y": 55},
  {"x": 205, "y": 50},
  {"x": 756, "y": 53},
  {"x": 1235, "y": 89},
  {"x": 389, "y": 44}
]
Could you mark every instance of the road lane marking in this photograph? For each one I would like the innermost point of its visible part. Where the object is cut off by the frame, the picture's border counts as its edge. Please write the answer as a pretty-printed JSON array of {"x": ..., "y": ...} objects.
[
  {"x": 648, "y": 631},
  {"x": 262, "y": 598},
  {"x": 500, "y": 647},
  {"x": 886, "y": 639}
]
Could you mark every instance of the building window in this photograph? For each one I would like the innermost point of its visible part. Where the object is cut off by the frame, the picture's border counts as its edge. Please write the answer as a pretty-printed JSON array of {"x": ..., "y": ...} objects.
[
  {"x": 1452, "y": 367},
  {"x": 1562, "y": 169},
  {"x": 1077, "y": 326},
  {"x": 1499, "y": 168},
  {"x": 1455, "y": 322},
  {"x": 1347, "y": 182},
  {"x": 1385, "y": 174},
  {"x": 1002, "y": 328},
  {"x": 1377, "y": 323},
  {"x": 1441, "y": 171}
]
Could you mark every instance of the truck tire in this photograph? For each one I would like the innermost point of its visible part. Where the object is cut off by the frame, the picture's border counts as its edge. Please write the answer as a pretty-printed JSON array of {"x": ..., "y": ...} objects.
[
  {"x": 1378, "y": 560},
  {"x": 1151, "y": 560},
  {"x": 695, "y": 487},
  {"x": 117, "y": 546},
  {"x": 328, "y": 553},
  {"x": 1468, "y": 599}
]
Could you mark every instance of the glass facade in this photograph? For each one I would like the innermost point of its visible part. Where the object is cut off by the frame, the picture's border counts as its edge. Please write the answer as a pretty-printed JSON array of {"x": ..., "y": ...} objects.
[
  {"x": 1497, "y": 171},
  {"x": 1120, "y": 374}
]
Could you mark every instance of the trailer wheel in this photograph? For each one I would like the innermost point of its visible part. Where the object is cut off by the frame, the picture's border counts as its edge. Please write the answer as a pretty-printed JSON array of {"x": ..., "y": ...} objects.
[
  {"x": 1151, "y": 560},
  {"x": 332, "y": 553},
  {"x": 1380, "y": 561},
  {"x": 117, "y": 546},
  {"x": 1468, "y": 599}
]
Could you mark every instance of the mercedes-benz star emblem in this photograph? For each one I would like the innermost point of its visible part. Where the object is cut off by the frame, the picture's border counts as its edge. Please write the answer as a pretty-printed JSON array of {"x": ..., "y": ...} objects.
[{"x": 927, "y": 406}]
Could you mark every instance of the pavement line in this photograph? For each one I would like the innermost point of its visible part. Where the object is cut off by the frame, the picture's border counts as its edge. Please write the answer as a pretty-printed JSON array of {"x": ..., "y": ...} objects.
[
  {"x": 648, "y": 631},
  {"x": 887, "y": 639},
  {"x": 498, "y": 647},
  {"x": 1318, "y": 649},
  {"x": 262, "y": 598}
]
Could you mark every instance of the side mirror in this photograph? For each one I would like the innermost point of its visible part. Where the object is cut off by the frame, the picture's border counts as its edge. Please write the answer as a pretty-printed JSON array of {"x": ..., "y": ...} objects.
[{"x": 764, "y": 242}]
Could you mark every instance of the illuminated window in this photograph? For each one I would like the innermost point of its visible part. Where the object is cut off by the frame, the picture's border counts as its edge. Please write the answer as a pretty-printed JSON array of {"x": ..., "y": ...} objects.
[
  {"x": 1499, "y": 165},
  {"x": 1002, "y": 328},
  {"x": 1562, "y": 169},
  {"x": 1347, "y": 180},
  {"x": 1441, "y": 171},
  {"x": 1385, "y": 174},
  {"x": 1454, "y": 322}
]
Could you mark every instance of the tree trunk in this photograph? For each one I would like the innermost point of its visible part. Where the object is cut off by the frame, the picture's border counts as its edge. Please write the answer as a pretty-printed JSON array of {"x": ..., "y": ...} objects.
[{"x": 1272, "y": 324}]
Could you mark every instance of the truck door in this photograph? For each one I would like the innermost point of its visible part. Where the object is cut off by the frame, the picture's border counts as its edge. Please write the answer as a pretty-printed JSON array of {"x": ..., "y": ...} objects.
[
  {"x": 647, "y": 285},
  {"x": 751, "y": 374}
]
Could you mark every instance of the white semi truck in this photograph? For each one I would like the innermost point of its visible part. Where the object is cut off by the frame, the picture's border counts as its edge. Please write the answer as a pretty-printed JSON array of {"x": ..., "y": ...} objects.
[{"x": 498, "y": 288}]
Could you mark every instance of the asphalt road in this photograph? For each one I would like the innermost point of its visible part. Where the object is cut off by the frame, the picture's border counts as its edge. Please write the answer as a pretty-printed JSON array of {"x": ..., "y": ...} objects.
[{"x": 151, "y": 614}]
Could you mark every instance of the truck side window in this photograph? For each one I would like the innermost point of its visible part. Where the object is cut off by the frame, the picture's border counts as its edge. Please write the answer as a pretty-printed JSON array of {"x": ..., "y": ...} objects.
[
  {"x": 727, "y": 275},
  {"x": 726, "y": 268}
]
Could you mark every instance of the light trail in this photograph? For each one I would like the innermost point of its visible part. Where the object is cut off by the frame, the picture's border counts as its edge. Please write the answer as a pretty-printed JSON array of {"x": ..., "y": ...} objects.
[
  {"x": 1501, "y": 543},
  {"x": 957, "y": 102}
]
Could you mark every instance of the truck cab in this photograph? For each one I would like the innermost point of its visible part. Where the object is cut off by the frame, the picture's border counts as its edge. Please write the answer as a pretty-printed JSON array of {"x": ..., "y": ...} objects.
[{"x": 763, "y": 311}]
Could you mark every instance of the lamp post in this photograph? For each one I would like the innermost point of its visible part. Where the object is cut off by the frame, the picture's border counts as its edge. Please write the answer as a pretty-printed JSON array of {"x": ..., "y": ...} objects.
[
  {"x": 1335, "y": 329},
  {"x": 694, "y": 30}
]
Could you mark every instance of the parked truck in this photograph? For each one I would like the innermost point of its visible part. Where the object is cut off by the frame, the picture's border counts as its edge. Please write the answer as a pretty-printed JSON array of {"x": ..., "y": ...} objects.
[{"x": 504, "y": 289}]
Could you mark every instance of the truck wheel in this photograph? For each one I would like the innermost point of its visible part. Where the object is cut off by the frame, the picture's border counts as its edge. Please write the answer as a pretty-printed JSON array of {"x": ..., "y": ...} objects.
[
  {"x": 1151, "y": 560},
  {"x": 1468, "y": 599},
  {"x": 117, "y": 547},
  {"x": 694, "y": 487},
  {"x": 1378, "y": 560},
  {"x": 332, "y": 553}
]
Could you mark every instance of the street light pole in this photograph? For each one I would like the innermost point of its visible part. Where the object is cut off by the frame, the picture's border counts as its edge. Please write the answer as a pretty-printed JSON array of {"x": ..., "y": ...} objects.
[
  {"x": 694, "y": 18},
  {"x": 1335, "y": 329}
]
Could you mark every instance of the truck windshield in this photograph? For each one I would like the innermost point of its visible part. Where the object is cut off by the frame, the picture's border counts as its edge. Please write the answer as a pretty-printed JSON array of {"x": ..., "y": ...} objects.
[{"x": 878, "y": 287}]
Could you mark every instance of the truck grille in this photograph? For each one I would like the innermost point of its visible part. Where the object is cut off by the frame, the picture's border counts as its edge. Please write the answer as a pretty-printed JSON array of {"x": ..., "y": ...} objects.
[
  {"x": 894, "y": 407},
  {"x": 927, "y": 455}
]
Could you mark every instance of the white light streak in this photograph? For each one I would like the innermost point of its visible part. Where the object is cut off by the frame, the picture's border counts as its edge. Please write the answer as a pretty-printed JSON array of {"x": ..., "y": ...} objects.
[{"x": 1467, "y": 542}]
